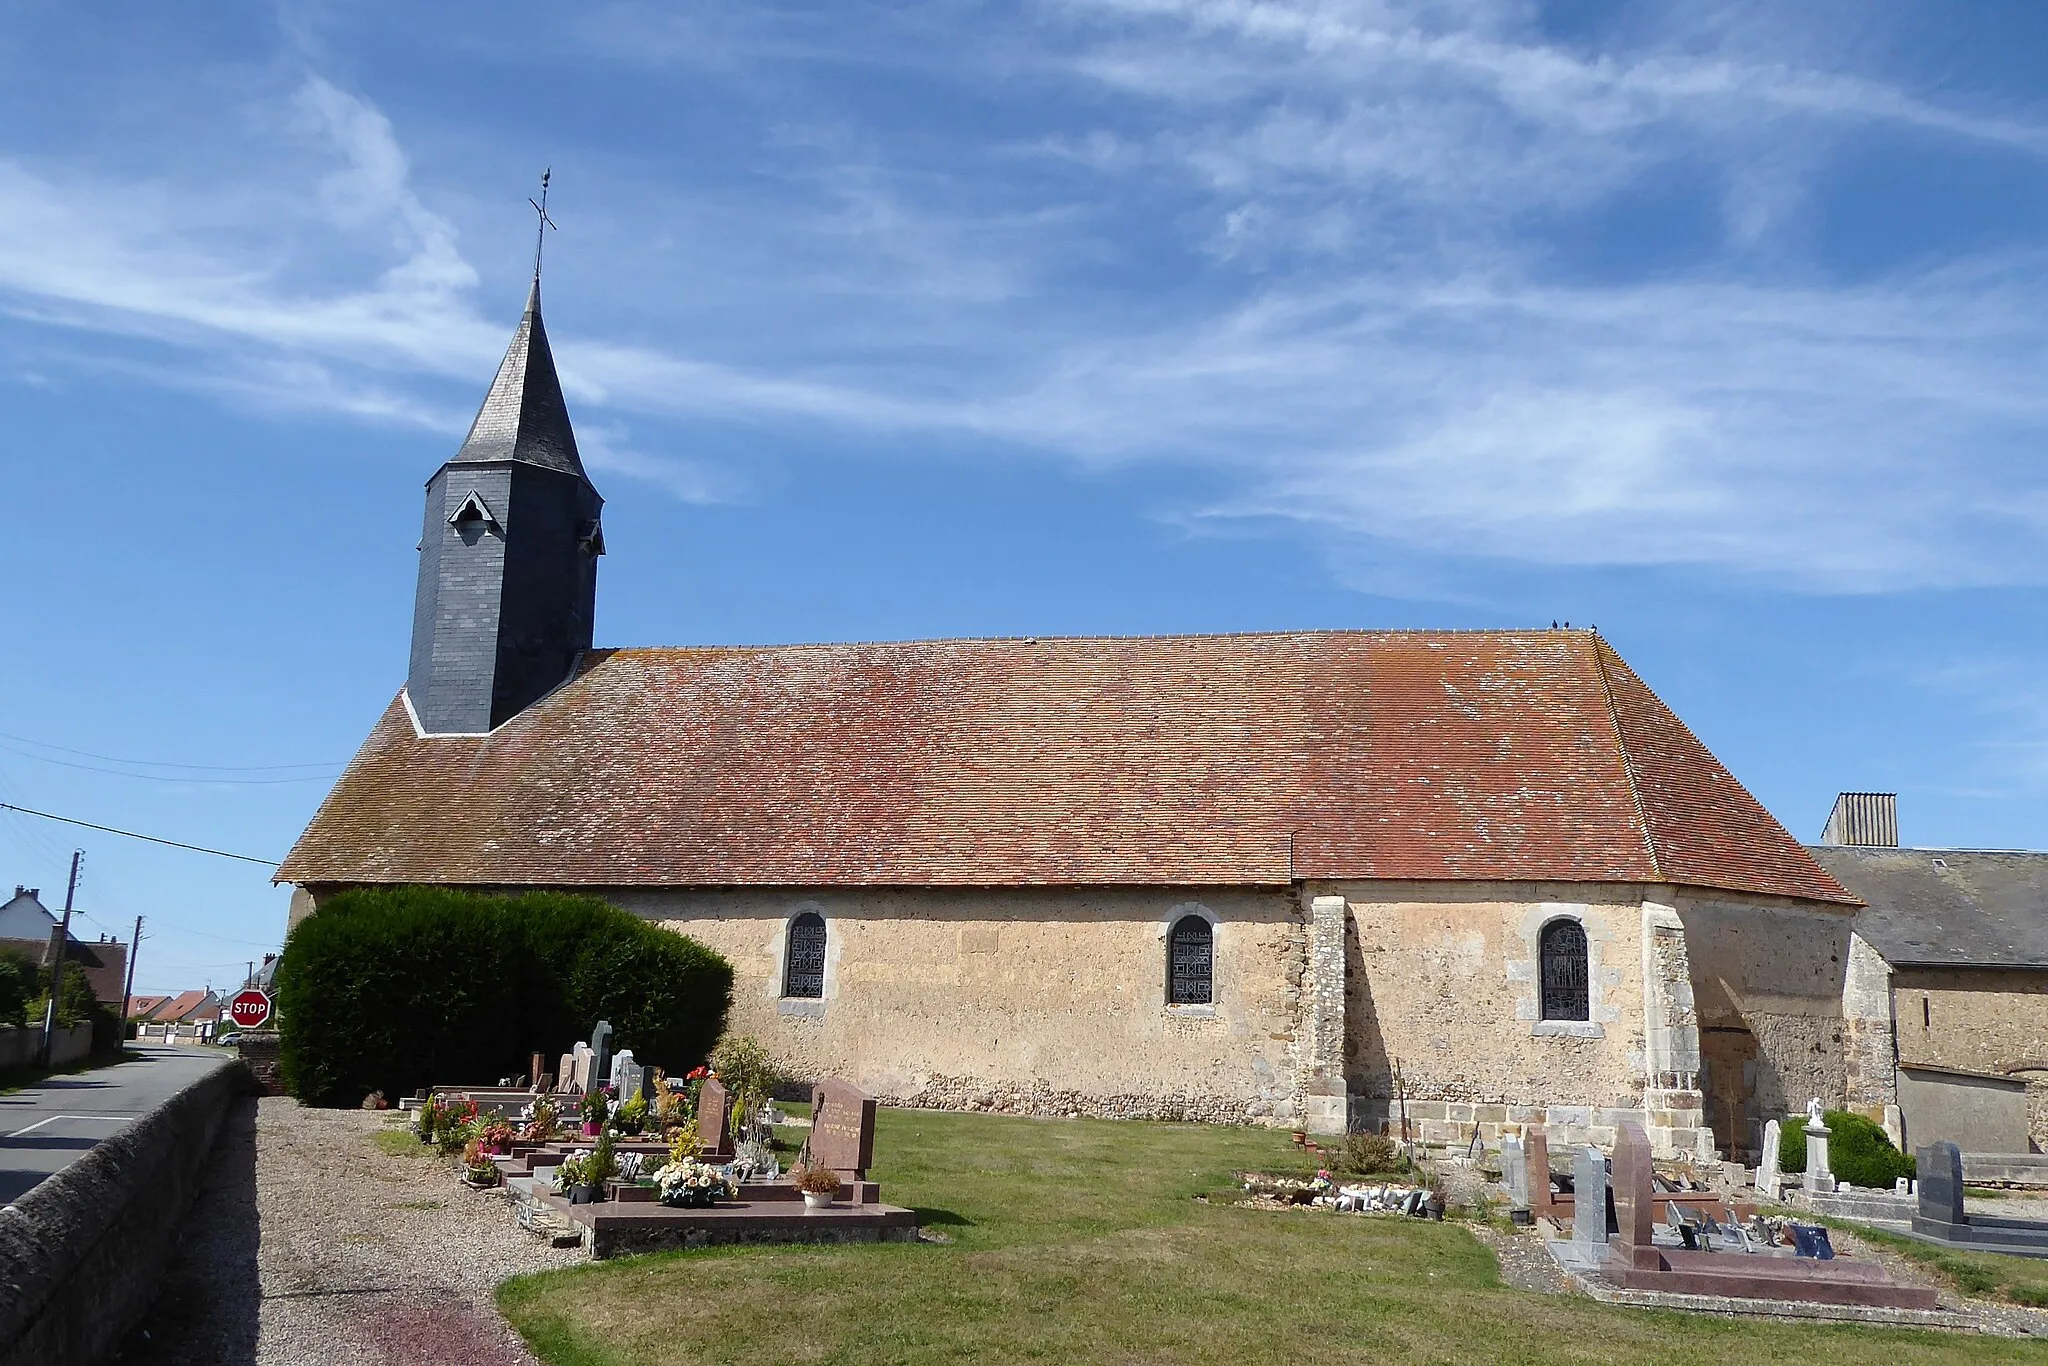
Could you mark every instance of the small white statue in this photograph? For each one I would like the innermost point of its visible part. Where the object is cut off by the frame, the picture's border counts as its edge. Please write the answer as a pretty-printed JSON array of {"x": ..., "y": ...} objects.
[{"x": 1814, "y": 1119}]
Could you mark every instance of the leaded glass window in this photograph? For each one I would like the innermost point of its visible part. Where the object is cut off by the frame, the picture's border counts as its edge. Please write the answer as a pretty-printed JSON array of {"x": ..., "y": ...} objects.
[
  {"x": 803, "y": 971},
  {"x": 1564, "y": 971},
  {"x": 1190, "y": 962}
]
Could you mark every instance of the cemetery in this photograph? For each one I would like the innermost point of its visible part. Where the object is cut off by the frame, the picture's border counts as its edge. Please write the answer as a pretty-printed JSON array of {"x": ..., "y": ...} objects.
[
  {"x": 601, "y": 1151},
  {"x": 644, "y": 1166}
]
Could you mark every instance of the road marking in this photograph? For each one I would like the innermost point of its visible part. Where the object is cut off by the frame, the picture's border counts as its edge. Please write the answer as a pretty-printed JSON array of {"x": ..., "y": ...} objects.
[{"x": 54, "y": 1118}]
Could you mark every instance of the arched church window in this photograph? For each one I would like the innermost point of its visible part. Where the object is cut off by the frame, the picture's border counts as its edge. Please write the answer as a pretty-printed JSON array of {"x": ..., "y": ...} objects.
[
  {"x": 1190, "y": 962},
  {"x": 1563, "y": 950},
  {"x": 803, "y": 968}
]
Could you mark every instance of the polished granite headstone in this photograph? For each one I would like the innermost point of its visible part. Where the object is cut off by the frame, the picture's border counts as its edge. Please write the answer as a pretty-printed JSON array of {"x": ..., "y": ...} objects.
[
  {"x": 843, "y": 1128},
  {"x": 1593, "y": 1210}
]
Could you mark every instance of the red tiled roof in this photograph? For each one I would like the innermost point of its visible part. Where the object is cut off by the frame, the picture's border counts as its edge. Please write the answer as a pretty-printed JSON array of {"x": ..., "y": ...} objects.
[
  {"x": 1169, "y": 760},
  {"x": 143, "y": 1007},
  {"x": 189, "y": 1007}
]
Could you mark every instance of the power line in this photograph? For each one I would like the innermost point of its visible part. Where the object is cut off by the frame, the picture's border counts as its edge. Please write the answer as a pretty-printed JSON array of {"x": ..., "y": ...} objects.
[
  {"x": 135, "y": 835},
  {"x": 164, "y": 777},
  {"x": 164, "y": 763}
]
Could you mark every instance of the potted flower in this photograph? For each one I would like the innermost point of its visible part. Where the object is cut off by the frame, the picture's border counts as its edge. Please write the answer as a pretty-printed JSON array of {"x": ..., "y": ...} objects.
[
  {"x": 572, "y": 1178},
  {"x": 495, "y": 1137},
  {"x": 820, "y": 1185},
  {"x": 477, "y": 1168},
  {"x": 632, "y": 1116},
  {"x": 595, "y": 1109}
]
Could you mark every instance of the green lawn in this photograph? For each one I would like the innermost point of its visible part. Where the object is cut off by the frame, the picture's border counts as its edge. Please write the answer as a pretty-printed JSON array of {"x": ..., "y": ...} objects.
[
  {"x": 1081, "y": 1241},
  {"x": 2023, "y": 1280}
]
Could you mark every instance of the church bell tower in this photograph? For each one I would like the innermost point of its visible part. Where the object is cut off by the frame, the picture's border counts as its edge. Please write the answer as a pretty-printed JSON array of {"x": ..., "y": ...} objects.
[{"x": 508, "y": 560}]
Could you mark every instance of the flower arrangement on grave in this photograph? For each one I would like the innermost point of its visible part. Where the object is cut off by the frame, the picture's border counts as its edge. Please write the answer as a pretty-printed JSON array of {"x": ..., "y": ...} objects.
[
  {"x": 821, "y": 1182},
  {"x": 572, "y": 1177},
  {"x": 691, "y": 1185},
  {"x": 676, "y": 1106},
  {"x": 496, "y": 1136},
  {"x": 682, "y": 1144},
  {"x": 604, "y": 1159},
  {"x": 456, "y": 1126},
  {"x": 632, "y": 1116},
  {"x": 595, "y": 1108},
  {"x": 478, "y": 1169},
  {"x": 754, "y": 1160},
  {"x": 540, "y": 1120}
]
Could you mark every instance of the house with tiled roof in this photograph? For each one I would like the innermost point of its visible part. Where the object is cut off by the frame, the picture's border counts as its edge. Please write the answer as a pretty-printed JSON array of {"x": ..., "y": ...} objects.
[
  {"x": 1236, "y": 878},
  {"x": 144, "y": 1009}
]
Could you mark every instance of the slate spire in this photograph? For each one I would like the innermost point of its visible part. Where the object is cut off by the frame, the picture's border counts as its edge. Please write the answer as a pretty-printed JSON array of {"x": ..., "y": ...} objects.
[
  {"x": 508, "y": 557},
  {"x": 523, "y": 418}
]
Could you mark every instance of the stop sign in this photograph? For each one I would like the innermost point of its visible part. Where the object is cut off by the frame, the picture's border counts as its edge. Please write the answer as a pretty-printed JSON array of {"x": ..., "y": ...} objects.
[{"x": 249, "y": 1009}]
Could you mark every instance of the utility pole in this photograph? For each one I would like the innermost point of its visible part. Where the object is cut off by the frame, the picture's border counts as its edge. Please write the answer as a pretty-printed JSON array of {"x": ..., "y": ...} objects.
[
  {"x": 128, "y": 987},
  {"x": 57, "y": 968}
]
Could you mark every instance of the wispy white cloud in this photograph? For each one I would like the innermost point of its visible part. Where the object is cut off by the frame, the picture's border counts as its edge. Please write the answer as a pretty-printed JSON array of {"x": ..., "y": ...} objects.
[{"x": 1360, "y": 330}]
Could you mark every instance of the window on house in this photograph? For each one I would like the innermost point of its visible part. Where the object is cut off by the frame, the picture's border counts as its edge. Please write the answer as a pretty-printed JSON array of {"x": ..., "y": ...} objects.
[
  {"x": 1563, "y": 950},
  {"x": 803, "y": 968},
  {"x": 1190, "y": 962}
]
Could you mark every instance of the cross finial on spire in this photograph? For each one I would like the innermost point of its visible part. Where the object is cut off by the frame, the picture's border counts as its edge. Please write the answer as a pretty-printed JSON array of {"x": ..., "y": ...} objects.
[{"x": 540, "y": 229}]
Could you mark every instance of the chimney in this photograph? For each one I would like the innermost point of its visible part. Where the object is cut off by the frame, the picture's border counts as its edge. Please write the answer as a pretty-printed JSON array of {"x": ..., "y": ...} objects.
[{"x": 1866, "y": 819}]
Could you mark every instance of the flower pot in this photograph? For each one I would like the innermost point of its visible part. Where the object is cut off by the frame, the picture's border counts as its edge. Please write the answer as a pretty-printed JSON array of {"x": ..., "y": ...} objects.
[
  {"x": 591, "y": 1128},
  {"x": 582, "y": 1195},
  {"x": 817, "y": 1199}
]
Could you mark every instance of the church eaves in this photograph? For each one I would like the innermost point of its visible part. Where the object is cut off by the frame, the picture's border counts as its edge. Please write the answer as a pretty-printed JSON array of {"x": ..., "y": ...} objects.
[{"x": 523, "y": 418}]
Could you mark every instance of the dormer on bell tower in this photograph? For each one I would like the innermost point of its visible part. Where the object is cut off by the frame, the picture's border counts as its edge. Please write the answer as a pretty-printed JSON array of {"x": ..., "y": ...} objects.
[{"x": 508, "y": 558}]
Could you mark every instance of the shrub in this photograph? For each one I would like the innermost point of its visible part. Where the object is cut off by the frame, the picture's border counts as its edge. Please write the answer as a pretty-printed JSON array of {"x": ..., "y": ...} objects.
[
  {"x": 1368, "y": 1153},
  {"x": 1859, "y": 1150},
  {"x": 395, "y": 988},
  {"x": 18, "y": 985},
  {"x": 749, "y": 1076}
]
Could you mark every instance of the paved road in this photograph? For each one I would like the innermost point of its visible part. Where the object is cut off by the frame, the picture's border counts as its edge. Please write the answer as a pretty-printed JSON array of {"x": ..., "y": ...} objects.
[{"x": 47, "y": 1127}]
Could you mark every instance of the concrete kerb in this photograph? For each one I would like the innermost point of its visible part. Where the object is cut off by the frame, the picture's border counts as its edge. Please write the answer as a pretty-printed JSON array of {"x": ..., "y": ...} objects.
[{"x": 81, "y": 1253}]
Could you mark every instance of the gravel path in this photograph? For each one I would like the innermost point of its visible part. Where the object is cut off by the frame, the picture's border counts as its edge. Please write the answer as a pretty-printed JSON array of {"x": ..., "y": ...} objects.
[{"x": 363, "y": 1257}]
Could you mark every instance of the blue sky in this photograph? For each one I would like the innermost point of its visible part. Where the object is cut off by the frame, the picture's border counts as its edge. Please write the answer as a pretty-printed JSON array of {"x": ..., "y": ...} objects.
[{"x": 1725, "y": 330}]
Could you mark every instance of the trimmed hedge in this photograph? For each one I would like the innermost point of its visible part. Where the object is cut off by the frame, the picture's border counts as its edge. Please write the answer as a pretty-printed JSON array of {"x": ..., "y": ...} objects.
[
  {"x": 1859, "y": 1150},
  {"x": 392, "y": 989}
]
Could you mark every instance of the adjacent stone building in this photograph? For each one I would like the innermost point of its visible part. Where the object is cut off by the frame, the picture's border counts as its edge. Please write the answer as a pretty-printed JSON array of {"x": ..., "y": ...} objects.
[
  {"x": 1320, "y": 878},
  {"x": 1946, "y": 998}
]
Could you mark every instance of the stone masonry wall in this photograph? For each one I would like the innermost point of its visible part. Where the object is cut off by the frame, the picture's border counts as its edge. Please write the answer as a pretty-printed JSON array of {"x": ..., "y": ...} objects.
[
  {"x": 1978, "y": 1021},
  {"x": 1443, "y": 979},
  {"x": 1773, "y": 970},
  {"x": 1026, "y": 1001}
]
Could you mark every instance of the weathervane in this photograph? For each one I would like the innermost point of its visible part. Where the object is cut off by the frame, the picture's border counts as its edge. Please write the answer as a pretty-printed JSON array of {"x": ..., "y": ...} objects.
[{"x": 540, "y": 229}]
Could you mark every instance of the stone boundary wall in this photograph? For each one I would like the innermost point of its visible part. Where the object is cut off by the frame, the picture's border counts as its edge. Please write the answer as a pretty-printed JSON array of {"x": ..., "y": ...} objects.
[
  {"x": 18, "y": 1046},
  {"x": 260, "y": 1051},
  {"x": 81, "y": 1254}
]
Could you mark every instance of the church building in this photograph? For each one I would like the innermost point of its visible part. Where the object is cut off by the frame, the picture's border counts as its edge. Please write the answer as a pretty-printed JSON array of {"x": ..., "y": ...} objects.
[{"x": 1322, "y": 879}]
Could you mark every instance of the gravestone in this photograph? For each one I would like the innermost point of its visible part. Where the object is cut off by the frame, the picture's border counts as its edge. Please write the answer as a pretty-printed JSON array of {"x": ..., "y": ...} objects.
[
  {"x": 1769, "y": 1180},
  {"x": 1513, "y": 1174},
  {"x": 536, "y": 1070},
  {"x": 565, "y": 1073},
  {"x": 621, "y": 1072},
  {"x": 1820, "y": 1178},
  {"x": 1941, "y": 1184},
  {"x": 1536, "y": 1170},
  {"x": 601, "y": 1048},
  {"x": 712, "y": 1135},
  {"x": 843, "y": 1128},
  {"x": 1592, "y": 1211},
  {"x": 1634, "y": 1200}
]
